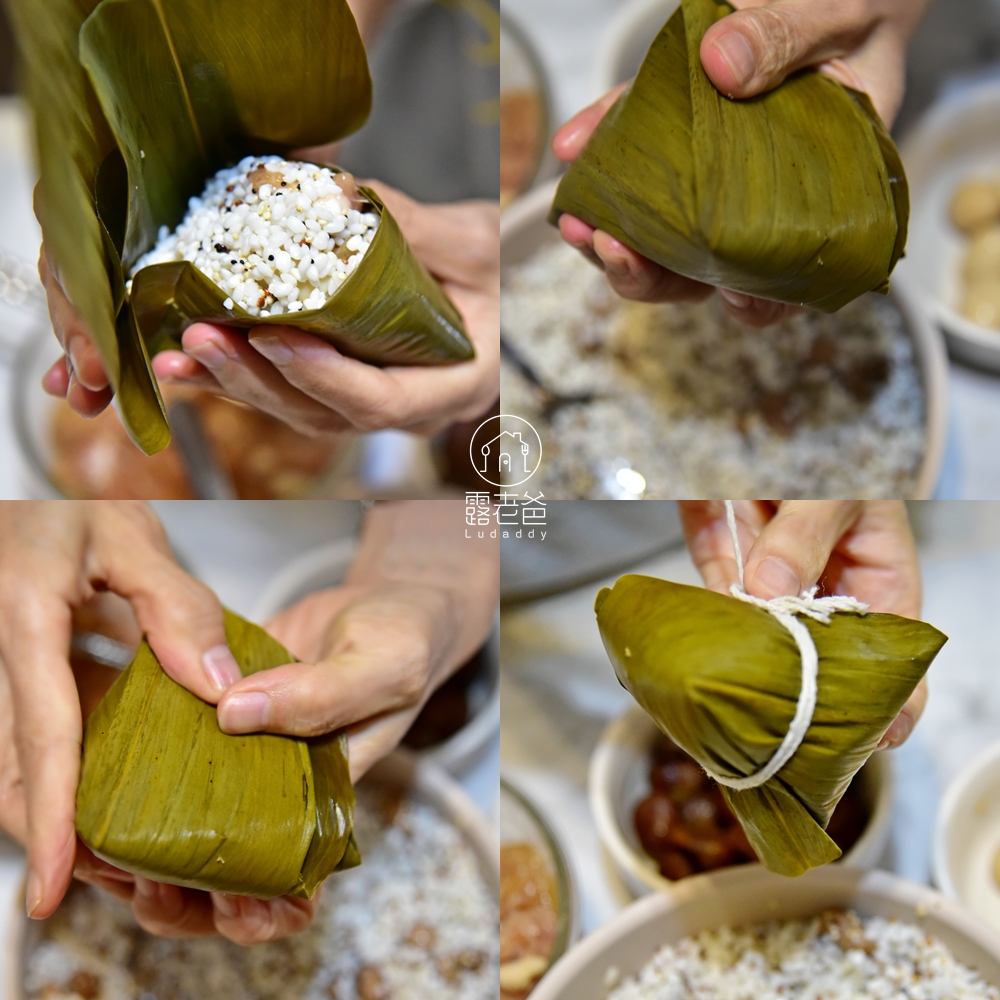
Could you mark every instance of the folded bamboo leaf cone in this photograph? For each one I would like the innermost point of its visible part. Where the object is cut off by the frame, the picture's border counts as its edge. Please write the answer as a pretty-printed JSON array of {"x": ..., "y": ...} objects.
[
  {"x": 722, "y": 678},
  {"x": 164, "y": 793},
  {"x": 797, "y": 195}
]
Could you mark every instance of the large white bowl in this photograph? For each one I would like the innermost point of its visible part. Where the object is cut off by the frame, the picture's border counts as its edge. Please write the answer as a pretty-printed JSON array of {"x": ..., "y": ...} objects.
[
  {"x": 967, "y": 837},
  {"x": 751, "y": 895},
  {"x": 628, "y": 39},
  {"x": 327, "y": 567},
  {"x": 401, "y": 769},
  {"x": 524, "y": 229},
  {"x": 957, "y": 139},
  {"x": 619, "y": 780}
]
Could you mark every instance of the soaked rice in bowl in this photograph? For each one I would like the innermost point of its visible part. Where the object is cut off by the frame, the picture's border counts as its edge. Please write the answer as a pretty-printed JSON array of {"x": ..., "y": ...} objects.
[
  {"x": 416, "y": 921},
  {"x": 836, "y": 956},
  {"x": 688, "y": 403}
]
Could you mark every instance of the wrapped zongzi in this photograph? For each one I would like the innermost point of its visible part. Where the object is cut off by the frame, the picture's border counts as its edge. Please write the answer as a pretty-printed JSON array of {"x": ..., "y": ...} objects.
[
  {"x": 723, "y": 678},
  {"x": 166, "y": 794},
  {"x": 137, "y": 104},
  {"x": 797, "y": 195}
]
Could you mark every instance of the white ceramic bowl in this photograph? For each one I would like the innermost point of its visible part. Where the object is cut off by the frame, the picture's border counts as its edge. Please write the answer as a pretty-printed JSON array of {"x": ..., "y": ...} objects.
[
  {"x": 628, "y": 39},
  {"x": 967, "y": 837},
  {"x": 619, "y": 780},
  {"x": 520, "y": 820},
  {"x": 958, "y": 138},
  {"x": 401, "y": 769},
  {"x": 524, "y": 229},
  {"x": 327, "y": 567},
  {"x": 750, "y": 895}
]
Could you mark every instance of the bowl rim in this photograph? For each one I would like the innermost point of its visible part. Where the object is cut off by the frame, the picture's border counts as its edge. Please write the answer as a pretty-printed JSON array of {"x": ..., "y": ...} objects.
[
  {"x": 926, "y": 339},
  {"x": 612, "y": 838},
  {"x": 568, "y": 927},
  {"x": 620, "y": 33},
  {"x": 749, "y": 879},
  {"x": 957, "y": 789}
]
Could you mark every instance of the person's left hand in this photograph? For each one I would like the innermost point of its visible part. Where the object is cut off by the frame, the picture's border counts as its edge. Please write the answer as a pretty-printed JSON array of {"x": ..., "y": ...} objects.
[
  {"x": 307, "y": 383},
  {"x": 861, "y": 548}
]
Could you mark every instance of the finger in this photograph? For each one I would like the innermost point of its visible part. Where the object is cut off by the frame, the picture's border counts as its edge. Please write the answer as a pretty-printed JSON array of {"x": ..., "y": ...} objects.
[
  {"x": 902, "y": 726},
  {"x": 248, "y": 921},
  {"x": 370, "y": 398},
  {"x": 369, "y": 742},
  {"x": 569, "y": 141},
  {"x": 709, "y": 541},
  {"x": 793, "y": 549},
  {"x": 636, "y": 277},
  {"x": 85, "y": 401},
  {"x": 121, "y": 890},
  {"x": 178, "y": 368},
  {"x": 180, "y": 616},
  {"x": 249, "y": 376},
  {"x": 56, "y": 380},
  {"x": 753, "y": 311},
  {"x": 89, "y": 865},
  {"x": 171, "y": 911},
  {"x": 753, "y": 50}
]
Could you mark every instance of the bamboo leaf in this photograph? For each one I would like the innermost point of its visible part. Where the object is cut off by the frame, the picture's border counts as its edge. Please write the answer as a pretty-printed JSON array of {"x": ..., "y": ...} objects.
[
  {"x": 797, "y": 195},
  {"x": 166, "y": 794},
  {"x": 722, "y": 679}
]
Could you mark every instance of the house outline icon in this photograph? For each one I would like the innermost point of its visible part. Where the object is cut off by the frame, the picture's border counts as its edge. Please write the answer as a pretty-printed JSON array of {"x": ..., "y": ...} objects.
[{"x": 505, "y": 461}]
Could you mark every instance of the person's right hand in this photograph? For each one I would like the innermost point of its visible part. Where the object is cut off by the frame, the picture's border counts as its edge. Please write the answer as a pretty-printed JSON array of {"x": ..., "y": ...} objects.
[
  {"x": 860, "y": 548},
  {"x": 54, "y": 558},
  {"x": 861, "y": 43}
]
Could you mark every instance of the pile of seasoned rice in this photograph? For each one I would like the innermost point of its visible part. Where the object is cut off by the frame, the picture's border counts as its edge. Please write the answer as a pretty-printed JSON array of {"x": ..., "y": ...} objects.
[
  {"x": 836, "y": 956},
  {"x": 277, "y": 236},
  {"x": 689, "y": 403},
  {"x": 416, "y": 921}
]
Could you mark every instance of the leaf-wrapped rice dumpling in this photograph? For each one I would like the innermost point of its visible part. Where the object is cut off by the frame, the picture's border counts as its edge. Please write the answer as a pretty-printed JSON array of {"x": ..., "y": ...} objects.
[
  {"x": 164, "y": 793},
  {"x": 137, "y": 104},
  {"x": 722, "y": 679},
  {"x": 797, "y": 195}
]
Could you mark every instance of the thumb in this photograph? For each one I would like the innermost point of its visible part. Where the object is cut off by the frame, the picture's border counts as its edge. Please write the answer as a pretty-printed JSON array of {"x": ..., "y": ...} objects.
[
  {"x": 792, "y": 550},
  {"x": 754, "y": 49}
]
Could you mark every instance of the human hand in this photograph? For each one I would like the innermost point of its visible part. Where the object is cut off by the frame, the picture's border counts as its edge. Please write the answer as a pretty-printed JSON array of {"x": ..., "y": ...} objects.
[
  {"x": 862, "y": 44},
  {"x": 56, "y": 561},
  {"x": 418, "y": 602},
  {"x": 861, "y": 548},
  {"x": 310, "y": 385}
]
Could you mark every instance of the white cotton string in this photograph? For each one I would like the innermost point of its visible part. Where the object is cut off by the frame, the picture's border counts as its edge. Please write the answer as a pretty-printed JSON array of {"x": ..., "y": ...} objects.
[{"x": 784, "y": 609}]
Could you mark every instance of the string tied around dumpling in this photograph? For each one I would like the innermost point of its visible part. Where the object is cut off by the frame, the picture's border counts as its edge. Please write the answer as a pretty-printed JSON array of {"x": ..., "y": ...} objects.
[{"x": 785, "y": 610}]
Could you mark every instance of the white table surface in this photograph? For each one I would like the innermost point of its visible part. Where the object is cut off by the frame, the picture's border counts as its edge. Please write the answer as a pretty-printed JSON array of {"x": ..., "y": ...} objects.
[
  {"x": 558, "y": 692},
  {"x": 237, "y": 547}
]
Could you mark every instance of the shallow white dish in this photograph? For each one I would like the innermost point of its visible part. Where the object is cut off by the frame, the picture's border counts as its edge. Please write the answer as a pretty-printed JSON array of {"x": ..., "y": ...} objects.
[
  {"x": 967, "y": 837},
  {"x": 619, "y": 780},
  {"x": 958, "y": 138},
  {"x": 327, "y": 567},
  {"x": 524, "y": 228},
  {"x": 750, "y": 895}
]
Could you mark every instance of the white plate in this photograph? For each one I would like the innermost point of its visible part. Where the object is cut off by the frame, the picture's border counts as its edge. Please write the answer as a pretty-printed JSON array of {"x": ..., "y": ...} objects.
[
  {"x": 959, "y": 138},
  {"x": 752, "y": 895}
]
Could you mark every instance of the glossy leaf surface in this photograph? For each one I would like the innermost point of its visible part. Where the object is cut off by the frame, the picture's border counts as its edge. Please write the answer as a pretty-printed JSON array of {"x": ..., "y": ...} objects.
[
  {"x": 722, "y": 679},
  {"x": 797, "y": 195},
  {"x": 166, "y": 794}
]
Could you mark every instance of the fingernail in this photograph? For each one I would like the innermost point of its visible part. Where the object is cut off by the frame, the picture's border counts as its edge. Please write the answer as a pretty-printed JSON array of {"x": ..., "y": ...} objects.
[
  {"x": 735, "y": 49},
  {"x": 222, "y": 669},
  {"x": 777, "y": 578},
  {"x": 145, "y": 887},
  {"x": 276, "y": 351},
  {"x": 32, "y": 893},
  {"x": 736, "y": 299},
  {"x": 227, "y": 905},
  {"x": 76, "y": 367},
  {"x": 208, "y": 353},
  {"x": 244, "y": 713}
]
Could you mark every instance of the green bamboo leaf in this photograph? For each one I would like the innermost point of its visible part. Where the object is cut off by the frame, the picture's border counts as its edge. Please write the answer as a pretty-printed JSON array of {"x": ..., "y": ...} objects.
[
  {"x": 796, "y": 195},
  {"x": 722, "y": 679},
  {"x": 164, "y": 793}
]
